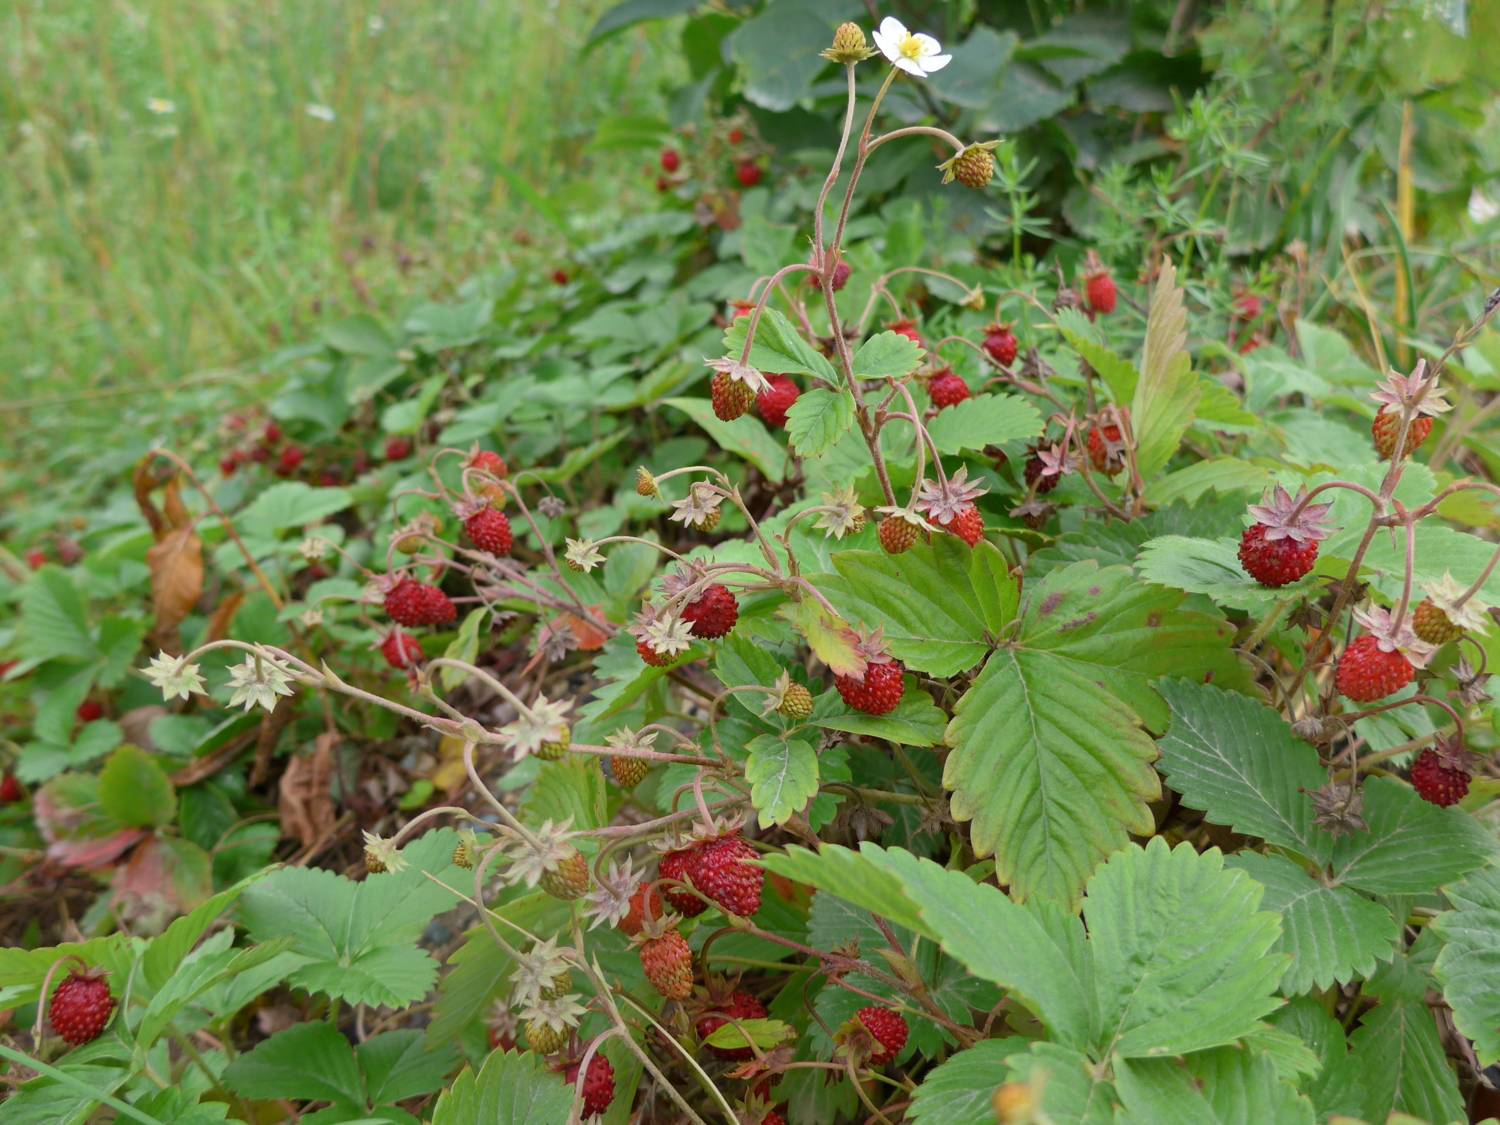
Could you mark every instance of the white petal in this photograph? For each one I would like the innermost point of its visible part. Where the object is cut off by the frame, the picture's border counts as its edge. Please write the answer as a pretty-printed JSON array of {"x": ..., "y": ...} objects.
[
  {"x": 927, "y": 43},
  {"x": 908, "y": 65},
  {"x": 892, "y": 28},
  {"x": 888, "y": 47},
  {"x": 935, "y": 63}
]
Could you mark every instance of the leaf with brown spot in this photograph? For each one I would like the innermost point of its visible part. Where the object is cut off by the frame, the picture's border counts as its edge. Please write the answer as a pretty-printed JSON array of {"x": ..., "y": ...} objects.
[{"x": 176, "y": 563}]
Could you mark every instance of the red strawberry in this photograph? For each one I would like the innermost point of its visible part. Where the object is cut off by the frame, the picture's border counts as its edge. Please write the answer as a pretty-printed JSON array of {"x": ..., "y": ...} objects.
[
  {"x": 663, "y": 184},
  {"x": 738, "y": 1005},
  {"x": 559, "y": 277},
  {"x": 907, "y": 328},
  {"x": 670, "y": 161},
  {"x": 289, "y": 461},
  {"x": 896, "y": 534},
  {"x": 889, "y": 1029},
  {"x": 490, "y": 531},
  {"x": 36, "y": 558},
  {"x": 777, "y": 399},
  {"x": 947, "y": 388},
  {"x": 719, "y": 869},
  {"x": 500, "y": 1041},
  {"x": 668, "y": 963},
  {"x": 1101, "y": 293},
  {"x": 1387, "y": 427},
  {"x": 736, "y": 136},
  {"x": 10, "y": 789},
  {"x": 651, "y": 656},
  {"x": 1000, "y": 342},
  {"x": 272, "y": 433},
  {"x": 731, "y": 397},
  {"x": 1045, "y": 482},
  {"x": 1248, "y": 308},
  {"x": 878, "y": 693},
  {"x": 1275, "y": 562},
  {"x": 1437, "y": 783},
  {"x": 841, "y": 274},
  {"x": 1366, "y": 673},
  {"x": 631, "y": 924},
  {"x": 232, "y": 461},
  {"x": 968, "y": 525},
  {"x": 598, "y": 1084},
  {"x": 397, "y": 449},
  {"x": 748, "y": 173},
  {"x": 88, "y": 711},
  {"x": 81, "y": 1006},
  {"x": 741, "y": 308},
  {"x": 678, "y": 866},
  {"x": 488, "y": 462},
  {"x": 712, "y": 614},
  {"x": 1099, "y": 452},
  {"x": 411, "y": 604},
  {"x": 401, "y": 650}
]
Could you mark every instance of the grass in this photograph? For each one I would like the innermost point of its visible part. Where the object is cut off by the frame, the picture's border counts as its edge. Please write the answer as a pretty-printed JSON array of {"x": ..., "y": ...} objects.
[{"x": 190, "y": 183}]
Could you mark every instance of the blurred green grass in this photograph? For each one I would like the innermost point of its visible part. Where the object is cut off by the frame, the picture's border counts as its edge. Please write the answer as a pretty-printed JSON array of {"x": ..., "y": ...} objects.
[{"x": 189, "y": 183}]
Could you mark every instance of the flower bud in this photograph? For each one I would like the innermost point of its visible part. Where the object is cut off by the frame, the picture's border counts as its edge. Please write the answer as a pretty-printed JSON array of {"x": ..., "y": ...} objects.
[{"x": 848, "y": 45}]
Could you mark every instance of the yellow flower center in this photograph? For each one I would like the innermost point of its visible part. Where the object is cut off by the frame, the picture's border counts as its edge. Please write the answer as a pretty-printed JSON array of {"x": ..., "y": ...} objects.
[{"x": 911, "y": 47}]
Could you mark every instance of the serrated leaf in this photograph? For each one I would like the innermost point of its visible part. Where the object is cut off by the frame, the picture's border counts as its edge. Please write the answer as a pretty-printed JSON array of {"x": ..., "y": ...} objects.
[
  {"x": 1162, "y": 988},
  {"x": 1239, "y": 762},
  {"x": 851, "y": 876},
  {"x": 307, "y": 1060},
  {"x": 827, "y": 634},
  {"x": 1073, "y": 1092},
  {"x": 818, "y": 419},
  {"x": 167, "y": 951},
  {"x": 887, "y": 354},
  {"x": 1218, "y": 409},
  {"x": 1412, "y": 847},
  {"x": 778, "y": 348},
  {"x": 745, "y": 437},
  {"x": 1227, "y": 1086},
  {"x": 1220, "y": 474},
  {"x": 1335, "y": 1089},
  {"x": 1295, "y": 1060},
  {"x": 938, "y": 603},
  {"x": 46, "y": 1101},
  {"x": 1118, "y": 373},
  {"x": 1051, "y": 761},
  {"x": 1212, "y": 567},
  {"x": 1167, "y": 393},
  {"x": 916, "y": 721},
  {"x": 765, "y": 1034},
  {"x": 1331, "y": 933},
  {"x": 984, "y": 420},
  {"x": 290, "y": 504},
  {"x": 1469, "y": 964},
  {"x": 511, "y": 1089},
  {"x": 398, "y": 1065},
  {"x": 135, "y": 791},
  {"x": 52, "y": 620},
  {"x": 959, "y": 1091},
  {"x": 572, "y": 787},
  {"x": 783, "y": 775},
  {"x": 1399, "y": 1057}
]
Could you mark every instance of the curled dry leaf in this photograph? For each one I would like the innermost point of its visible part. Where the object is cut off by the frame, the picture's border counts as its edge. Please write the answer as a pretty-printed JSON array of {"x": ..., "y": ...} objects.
[
  {"x": 176, "y": 562},
  {"x": 307, "y": 812}
]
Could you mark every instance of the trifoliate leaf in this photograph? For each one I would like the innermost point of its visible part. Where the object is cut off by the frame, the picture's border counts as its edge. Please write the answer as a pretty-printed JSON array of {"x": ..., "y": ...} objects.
[
  {"x": 984, "y": 420},
  {"x": 1332, "y": 933},
  {"x": 1411, "y": 847},
  {"x": 1227, "y": 1086},
  {"x": 818, "y": 419},
  {"x": 1469, "y": 964}
]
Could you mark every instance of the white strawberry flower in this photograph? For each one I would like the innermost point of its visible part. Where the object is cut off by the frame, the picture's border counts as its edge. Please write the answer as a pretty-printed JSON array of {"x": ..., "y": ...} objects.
[
  {"x": 913, "y": 52},
  {"x": 175, "y": 676}
]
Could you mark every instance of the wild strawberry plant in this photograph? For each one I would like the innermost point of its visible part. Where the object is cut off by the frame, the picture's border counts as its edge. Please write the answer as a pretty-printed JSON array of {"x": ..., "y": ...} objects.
[{"x": 1162, "y": 695}]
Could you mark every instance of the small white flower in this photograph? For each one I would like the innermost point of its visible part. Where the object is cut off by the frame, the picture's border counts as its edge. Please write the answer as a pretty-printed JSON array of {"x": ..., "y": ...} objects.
[
  {"x": 386, "y": 852},
  {"x": 161, "y": 105},
  {"x": 175, "y": 676},
  {"x": 583, "y": 553},
  {"x": 669, "y": 634},
  {"x": 321, "y": 112},
  {"x": 259, "y": 680},
  {"x": 314, "y": 547},
  {"x": 914, "y": 53},
  {"x": 546, "y": 723}
]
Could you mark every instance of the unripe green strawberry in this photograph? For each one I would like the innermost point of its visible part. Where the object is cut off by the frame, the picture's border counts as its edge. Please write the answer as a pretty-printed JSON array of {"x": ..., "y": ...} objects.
[
  {"x": 569, "y": 879},
  {"x": 796, "y": 703},
  {"x": 629, "y": 772},
  {"x": 461, "y": 857},
  {"x": 553, "y": 751},
  {"x": 544, "y": 1039},
  {"x": 974, "y": 167},
  {"x": 561, "y": 985},
  {"x": 1430, "y": 623}
]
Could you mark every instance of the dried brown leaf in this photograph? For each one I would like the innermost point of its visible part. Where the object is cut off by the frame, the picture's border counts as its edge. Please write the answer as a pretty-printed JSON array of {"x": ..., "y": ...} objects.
[{"x": 307, "y": 811}]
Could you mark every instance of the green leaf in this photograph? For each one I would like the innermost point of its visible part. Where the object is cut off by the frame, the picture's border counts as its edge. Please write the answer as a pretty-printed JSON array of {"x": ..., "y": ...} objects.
[
  {"x": 746, "y": 437},
  {"x": 850, "y": 875},
  {"x": 959, "y": 1091},
  {"x": 887, "y": 354},
  {"x": 1162, "y": 988},
  {"x": 397, "y": 1066},
  {"x": 359, "y": 938},
  {"x": 936, "y": 602},
  {"x": 1118, "y": 373},
  {"x": 1335, "y": 1088},
  {"x": 916, "y": 721},
  {"x": 783, "y": 775},
  {"x": 210, "y": 965},
  {"x": 984, "y": 420},
  {"x": 1469, "y": 964},
  {"x": 1397, "y": 1052},
  {"x": 1212, "y": 567},
  {"x": 166, "y": 952},
  {"x": 1218, "y": 409},
  {"x": 1167, "y": 394},
  {"x": 361, "y": 335},
  {"x": 778, "y": 349},
  {"x": 572, "y": 786},
  {"x": 1073, "y": 1093},
  {"x": 1294, "y": 1059},
  {"x": 1332, "y": 933},
  {"x": 818, "y": 419},
  {"x": 1412, "y": 847},
  {"x": 306, "y": 1061},
  {"x": 1227, "y": 1086},
  {"x": 1239, "y": 762},
  {"x": 764, "y": 1033},
  {"x": 1220, "y": 474},
  {"x": 291, "y": 504},
  {"x": 52, "y": 621},
  {"x": 67, "y": 1094},
  {"x": 135, "y": 790},
  {"x": 777, "y": 51},
  {"x": 511, "y": 1089},
  {"x": 465, "y": 647}
]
